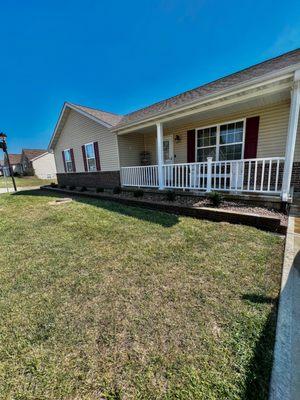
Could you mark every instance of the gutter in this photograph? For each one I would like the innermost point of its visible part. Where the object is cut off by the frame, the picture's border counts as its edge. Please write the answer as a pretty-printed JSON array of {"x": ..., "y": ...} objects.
[{"x": 273, "y": 77}]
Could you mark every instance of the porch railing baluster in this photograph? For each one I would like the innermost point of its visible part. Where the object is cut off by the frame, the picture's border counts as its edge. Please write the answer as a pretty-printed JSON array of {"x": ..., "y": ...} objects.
[{"x": 260, "y": 175}]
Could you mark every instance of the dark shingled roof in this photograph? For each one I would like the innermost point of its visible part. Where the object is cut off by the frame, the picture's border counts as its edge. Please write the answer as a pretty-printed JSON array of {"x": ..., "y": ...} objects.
[
  {"x": 14, "y": 158},
  {"x": 228, "y": 82},
  {"x": 258, "y": 70},
  {"x": 109, "y": 118},
  {"x": 32, "y": 153}
]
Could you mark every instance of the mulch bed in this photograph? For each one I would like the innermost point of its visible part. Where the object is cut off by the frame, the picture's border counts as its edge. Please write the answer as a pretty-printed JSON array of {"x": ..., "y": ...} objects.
[{"x": 198, "y": 201}]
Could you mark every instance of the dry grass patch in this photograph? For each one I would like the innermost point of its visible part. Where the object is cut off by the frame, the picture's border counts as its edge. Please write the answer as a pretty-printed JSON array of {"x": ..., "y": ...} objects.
[{"x": 103, "y": 301}]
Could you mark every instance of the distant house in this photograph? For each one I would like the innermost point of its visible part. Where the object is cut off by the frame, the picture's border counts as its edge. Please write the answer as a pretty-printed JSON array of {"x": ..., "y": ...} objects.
[
  {"x": 38, "y": 162},
  {"x": 1, "y": 167},
  {"x": 15, "y": 163}
]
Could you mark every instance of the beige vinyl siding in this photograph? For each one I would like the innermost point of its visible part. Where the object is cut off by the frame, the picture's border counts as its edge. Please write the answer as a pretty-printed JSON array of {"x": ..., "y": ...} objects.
[
  {"x": 271, "y": 138},
  {"x": 79, "y": 130},
  {"x": 130, "y": 148},
  {"x": 44, "y": 166},
  {"x": 150, "y": 145}
]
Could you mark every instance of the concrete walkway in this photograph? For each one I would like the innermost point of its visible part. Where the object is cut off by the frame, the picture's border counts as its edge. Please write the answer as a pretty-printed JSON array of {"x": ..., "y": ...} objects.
[{"x": 285, "y": 382}]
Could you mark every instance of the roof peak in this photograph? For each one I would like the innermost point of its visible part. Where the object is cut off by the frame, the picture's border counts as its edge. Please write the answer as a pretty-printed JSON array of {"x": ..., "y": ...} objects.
[{"x": 93, "y": 108}]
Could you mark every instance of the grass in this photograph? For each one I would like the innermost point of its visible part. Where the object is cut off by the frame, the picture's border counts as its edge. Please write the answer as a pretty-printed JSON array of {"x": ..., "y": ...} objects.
[
  {"x": 104, "y": 301},
  {"x": 25, "y": 181}
]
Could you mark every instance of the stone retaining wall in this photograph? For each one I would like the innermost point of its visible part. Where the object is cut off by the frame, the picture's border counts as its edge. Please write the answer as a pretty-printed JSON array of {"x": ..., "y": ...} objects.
[{"x": 263, "y": 222}]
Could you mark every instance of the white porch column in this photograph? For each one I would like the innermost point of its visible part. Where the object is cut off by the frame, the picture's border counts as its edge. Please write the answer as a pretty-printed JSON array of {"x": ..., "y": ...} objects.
[
  {"x": 291, "y": 137},
  {"x": 160, "y": 154}
]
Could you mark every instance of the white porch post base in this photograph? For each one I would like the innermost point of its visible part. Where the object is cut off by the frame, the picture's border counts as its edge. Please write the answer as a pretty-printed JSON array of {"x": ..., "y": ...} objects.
[
  {"x": 291, "y": 138},
  {"x": 160, "y": 155},
  {"x": 209, "y": 170}
]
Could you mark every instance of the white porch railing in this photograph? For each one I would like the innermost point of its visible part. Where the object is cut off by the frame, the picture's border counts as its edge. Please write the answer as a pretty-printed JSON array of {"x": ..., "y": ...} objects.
[
  {"x": 142, "y": 176},
  {"x": 258, "y": 175}
]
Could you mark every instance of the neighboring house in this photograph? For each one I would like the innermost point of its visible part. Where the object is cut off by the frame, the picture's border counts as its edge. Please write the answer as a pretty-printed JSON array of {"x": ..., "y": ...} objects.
[
  {"x": 38, "y": 162},
  {"x": 1, "y": 167},
  {"x": 235, "y": 134},
  {"x": 15, "y": 163}
]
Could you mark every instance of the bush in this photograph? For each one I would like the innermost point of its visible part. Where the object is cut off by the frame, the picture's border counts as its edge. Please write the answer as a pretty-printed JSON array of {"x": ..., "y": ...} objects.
[
  {"x": 138, "y": 193},
  {"x": 215, "y": 198},
  {"x": 99, "y": 189},
  {"x": 53, "y": 184},
  {"x": 171, "y": 195},
  {"x": 16, "y": 174},
  {"x": 62, "y": 186},
  {"x": 72, "y": 187},
  {"x": 117, "y": 190},
  {"x": 83, "y": 189}
]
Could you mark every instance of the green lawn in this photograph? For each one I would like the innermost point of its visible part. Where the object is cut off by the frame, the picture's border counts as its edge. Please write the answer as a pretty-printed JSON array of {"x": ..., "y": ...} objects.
[
  {"x": 104, "y": 301},
  {"x": 28, "y": 181}
]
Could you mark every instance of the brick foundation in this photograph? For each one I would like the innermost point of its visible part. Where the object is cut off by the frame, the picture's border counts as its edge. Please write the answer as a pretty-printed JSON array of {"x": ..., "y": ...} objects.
[
  {"x": 296, "y": 177},
  {"x": 105, "y": 179}
]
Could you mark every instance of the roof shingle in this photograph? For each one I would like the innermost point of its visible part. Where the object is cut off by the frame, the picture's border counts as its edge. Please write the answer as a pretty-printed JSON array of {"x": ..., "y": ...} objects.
[
  {"x": 255, "y": 71},
  {"x": 110, "y": 118},
  {"x": 32, "y": 153},
  {"x": 14, "y": 158}
]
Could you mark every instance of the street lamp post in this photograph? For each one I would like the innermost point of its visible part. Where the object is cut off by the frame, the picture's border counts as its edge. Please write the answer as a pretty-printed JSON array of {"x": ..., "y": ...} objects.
[{"x": 3, "y": 146}]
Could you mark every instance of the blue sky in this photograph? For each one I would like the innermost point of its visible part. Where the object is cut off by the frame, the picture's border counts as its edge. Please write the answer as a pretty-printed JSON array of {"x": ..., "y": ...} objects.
[{"x": 122, "y": 55}]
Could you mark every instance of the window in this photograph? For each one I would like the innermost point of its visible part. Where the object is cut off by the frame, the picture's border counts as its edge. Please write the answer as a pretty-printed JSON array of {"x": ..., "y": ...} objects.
[
  {"x": 68, "y": 160},
  {"x": 90, "y": 157},
  {"x": 221, "y": 142},
  {"x": 206, "y": 143}
]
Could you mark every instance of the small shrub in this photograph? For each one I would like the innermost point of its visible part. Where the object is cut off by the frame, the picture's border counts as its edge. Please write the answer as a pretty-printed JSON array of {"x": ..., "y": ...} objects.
[
  {"x": 62, "y": 186},
  {"x": 83, "y": 189},
  {"x": 138, "y": 193},
  {"x": 215, "y": 198},
  {"x": 99, "y": 189},
  {"x": 117, "y": 190},
  {"x": 53, "y": 184},
  {"x": 72, "y": 187},
  {"x": 171, "y": 195},
  {"x": 16, "y": 174}
]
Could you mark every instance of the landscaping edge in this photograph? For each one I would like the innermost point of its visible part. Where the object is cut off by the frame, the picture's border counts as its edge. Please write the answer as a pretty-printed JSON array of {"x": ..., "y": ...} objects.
[{"x": 267, "y": 223}]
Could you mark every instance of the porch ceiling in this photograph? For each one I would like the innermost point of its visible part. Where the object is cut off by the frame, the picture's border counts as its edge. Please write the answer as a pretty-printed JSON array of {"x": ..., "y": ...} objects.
[
  {"x": 221, "y": 111},
  {"x": 241, "y": 106}
]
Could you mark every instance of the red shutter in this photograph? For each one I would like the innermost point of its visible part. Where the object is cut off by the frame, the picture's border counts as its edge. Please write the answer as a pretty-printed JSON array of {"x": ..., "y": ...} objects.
[
  {"x": 191, "y": 146},
  {"x": 97, "y": 157},
  {"x": 64, "y": 160},
  {"x": 251, "y": 137},
  {"x": 84, "y": 158},
  {"x": 73, "y": 160}
]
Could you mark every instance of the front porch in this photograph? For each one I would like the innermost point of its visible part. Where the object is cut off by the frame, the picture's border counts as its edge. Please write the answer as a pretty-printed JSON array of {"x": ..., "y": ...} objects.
[
  {"x": 259, "y": 175},
  {"x": 245, "y": 147}
]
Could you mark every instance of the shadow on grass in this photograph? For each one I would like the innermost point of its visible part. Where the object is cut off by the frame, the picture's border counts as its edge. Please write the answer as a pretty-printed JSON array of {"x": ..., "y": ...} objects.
[
  {"x": 260, "y": 367},
  {"x": 156, "y": 217},
  {"x": 258, "y": 298}
]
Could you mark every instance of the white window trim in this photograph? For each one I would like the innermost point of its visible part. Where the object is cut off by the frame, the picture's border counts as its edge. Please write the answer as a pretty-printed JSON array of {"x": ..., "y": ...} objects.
[
  {"x": 71, "y": 161},
  {"x": 90, "y": 158},
  {"x": 218, "y": 145}
]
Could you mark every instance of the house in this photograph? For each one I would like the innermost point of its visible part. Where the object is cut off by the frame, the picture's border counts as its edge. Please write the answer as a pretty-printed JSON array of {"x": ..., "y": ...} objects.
[
  {"x": 38, "y": 162},
  {"x": 1, "y": 167},
  {"x": 15, "y": 163},
  {"x": 238, "y": 134}
]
